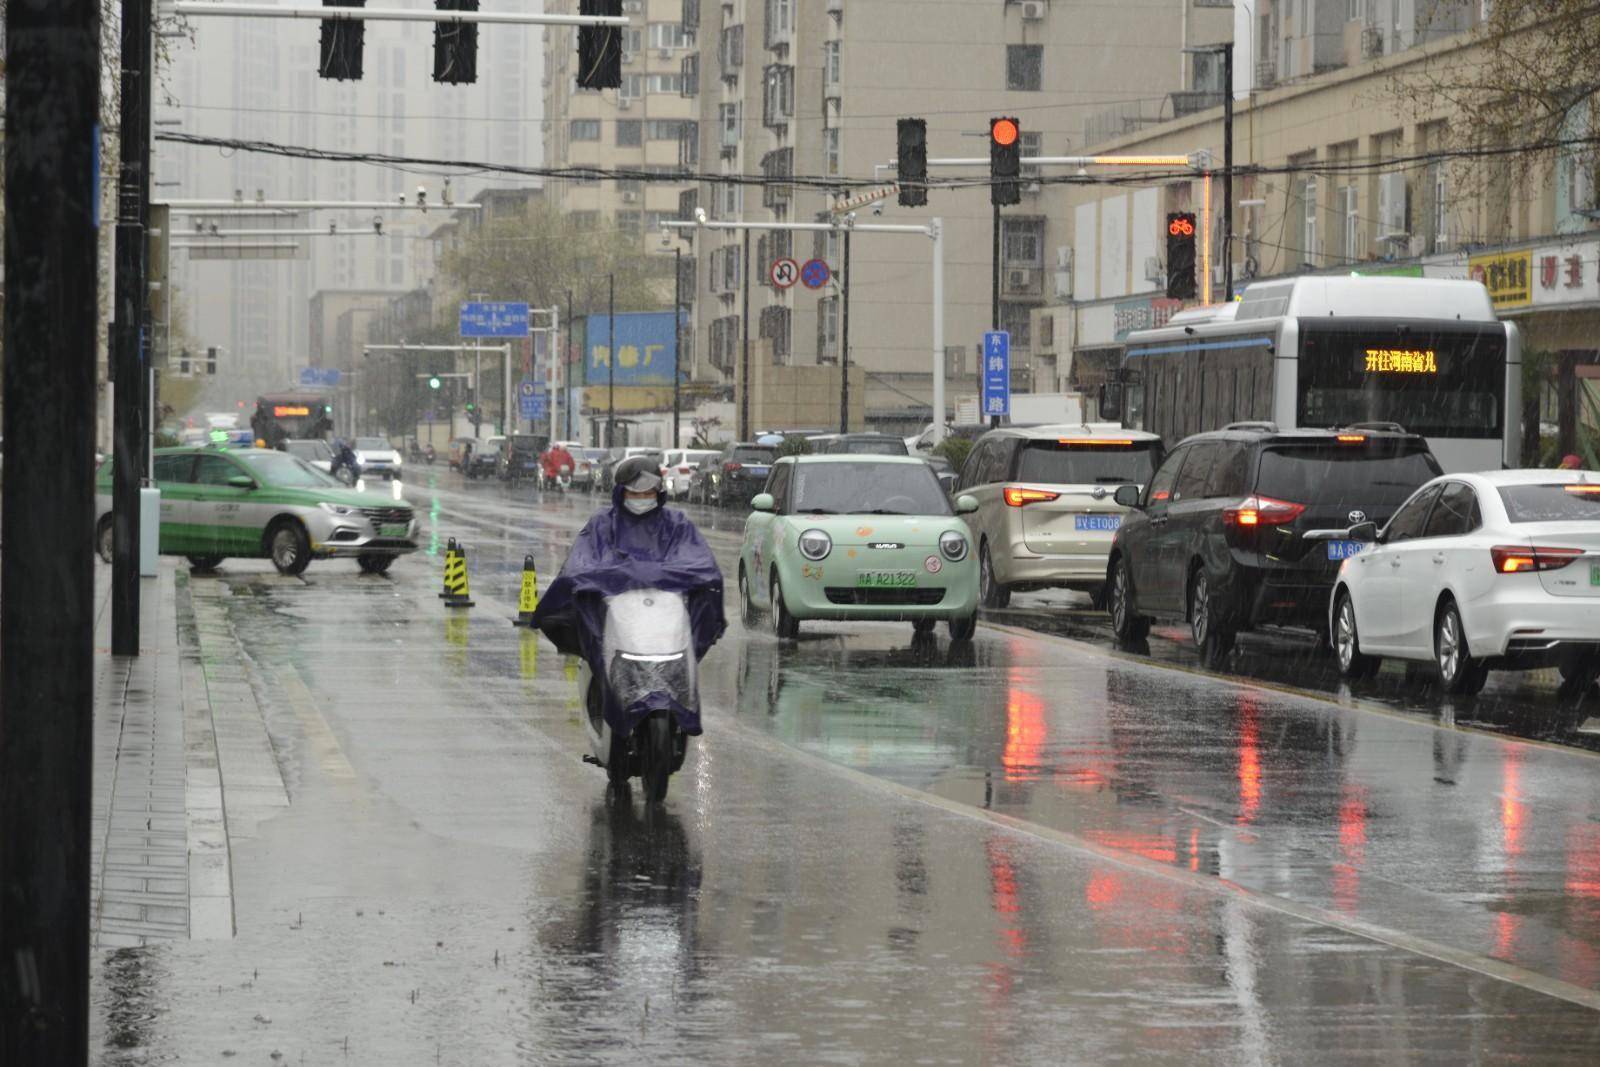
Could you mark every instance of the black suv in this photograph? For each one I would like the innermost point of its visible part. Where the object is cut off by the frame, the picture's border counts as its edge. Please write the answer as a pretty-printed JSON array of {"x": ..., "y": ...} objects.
[
  {"x": 739, "y": 473},
  {"x": 1215, "y": 538}
]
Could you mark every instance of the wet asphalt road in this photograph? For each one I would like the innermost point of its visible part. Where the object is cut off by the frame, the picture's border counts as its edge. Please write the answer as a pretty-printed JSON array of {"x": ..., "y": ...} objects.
[{"x": 1032, "y": 848}]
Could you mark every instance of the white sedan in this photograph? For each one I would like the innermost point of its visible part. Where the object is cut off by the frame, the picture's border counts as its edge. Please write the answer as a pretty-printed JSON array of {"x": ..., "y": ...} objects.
[{"x": 1475, "y": 572}]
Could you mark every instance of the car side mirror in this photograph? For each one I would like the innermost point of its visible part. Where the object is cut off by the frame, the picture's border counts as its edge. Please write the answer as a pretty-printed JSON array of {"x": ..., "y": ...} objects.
[
  {"x": 1364, "y": 531},
  {"x": 1127, "y": 496},
  {"x": 763, "y": 502},
  {"x": 242, "y": 481},
  {"x": 966, "y": 504}
]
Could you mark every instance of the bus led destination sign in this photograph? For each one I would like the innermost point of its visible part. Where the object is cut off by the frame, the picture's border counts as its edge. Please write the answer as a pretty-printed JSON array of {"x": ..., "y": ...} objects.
[
  {"x": 1402, "y": 361},
  {"x": 289, "y": 410}
]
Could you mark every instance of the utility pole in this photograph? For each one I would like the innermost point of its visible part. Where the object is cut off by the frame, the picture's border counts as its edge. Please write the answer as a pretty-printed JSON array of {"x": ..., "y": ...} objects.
[
  {"x": 566, "y": 363},
  {"x": 744, "y": 339},
  {"x": 611, "y": 361},
  {"x": 677, "y": 341},
  {"x": 127, "y": 345},
  {"x": 52, "y": 211},
  {"x": 844, "y": 340},
  {"x": 994, "y": 310},
  {"x": 1227, "y": 174}
]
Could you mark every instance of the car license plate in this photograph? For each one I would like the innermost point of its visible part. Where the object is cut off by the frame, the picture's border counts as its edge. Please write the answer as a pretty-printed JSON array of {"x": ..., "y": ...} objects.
[
  {"x": 1344, "y": 549},
  {"x": 392, "y": 529},
  {"x": 1594, "y": 574},
  {"x": 757, "y": 472},
  {"x": 886, "y": 579},
  {"x": 1107, "y": 523}
]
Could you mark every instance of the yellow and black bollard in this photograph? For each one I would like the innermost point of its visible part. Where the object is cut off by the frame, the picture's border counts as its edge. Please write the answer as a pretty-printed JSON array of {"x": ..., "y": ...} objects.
[
  {"x": 455, "y": 580},
  {"x": 528, "y": 598},
  {"x": 449, "y": 556}
]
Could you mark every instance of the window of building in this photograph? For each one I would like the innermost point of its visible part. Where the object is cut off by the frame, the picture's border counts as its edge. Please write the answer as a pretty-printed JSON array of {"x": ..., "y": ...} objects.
[
  {"x": 730, "y": 198},
  {"x": 689, "y": 144},
  {"x": 1030, "y": 145},
  {"x": 1439, "y": 217},
  {"x": 584, "y": 130},
  {"x": 662, "y": 129},
  {"x": 831, "y": 161},
  {"x": 774, "y": 326},
  {"x": 728, "y": 114},
  {"x": 1024, "y": 67},
  {"x": 630, "y": 133},
  {"x": 1308, "y": 232},
  {"x": 668, "y": 35},
  {"x": 828, "y": 330},
  {"x": 1351, "y": 222},
  {"x": 777, "y": 95},
  {"x": 832, "y": 70},
  {"x": 1023, "y": 242},
  {"x": 776, "y": 164},
  {"x": 629, "y": 222},
  {"x": 690, "y": 73},
  {"x": 665, "y": 83},
  {"x": 780, "y": 22},
  {"x": 632, "y": 43},
  {"x": 585, "y": 220},
  {"x": 632, "y": 87},
  {"x": 1014, "y": 319}
]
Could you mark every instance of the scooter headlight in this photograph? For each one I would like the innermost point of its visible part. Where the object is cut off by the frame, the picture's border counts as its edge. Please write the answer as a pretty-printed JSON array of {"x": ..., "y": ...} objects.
[
  {"x": 815, "y": 545},
  {"x": 953, "y": 546}
]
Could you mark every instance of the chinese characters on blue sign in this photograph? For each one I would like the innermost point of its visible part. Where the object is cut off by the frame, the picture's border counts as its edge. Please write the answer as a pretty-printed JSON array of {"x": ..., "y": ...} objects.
[
  {"x": 997, "y": 373},
  {"x": 533, "y": 399},
  {"x": 494, "y": 318},
  {"x": 646, "y": 353}
]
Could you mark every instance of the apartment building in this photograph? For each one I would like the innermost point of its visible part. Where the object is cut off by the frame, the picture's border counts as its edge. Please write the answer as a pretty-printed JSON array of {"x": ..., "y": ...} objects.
[
  {"x": 795, "y": 87},
  {"x": 1335, "y": 177},
  {"x": 641, "y": 127}
]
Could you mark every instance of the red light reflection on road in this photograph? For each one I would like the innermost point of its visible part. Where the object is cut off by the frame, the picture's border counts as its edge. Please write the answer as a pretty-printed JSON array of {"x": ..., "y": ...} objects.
[
  {"x": 1512, "y": 810},
  {"x": 1025, "y": 733},
  {"x": 1352, "y": 849},
  {"x": 1007, "y": 902},
  {"x": 1249, "y": 761}
]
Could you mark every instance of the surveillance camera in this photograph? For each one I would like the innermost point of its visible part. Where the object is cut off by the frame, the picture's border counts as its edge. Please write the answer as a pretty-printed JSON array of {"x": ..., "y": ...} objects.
[
  {"x": 700, "y": 215},
  {"x": 377, "y": 224},
  {"x": 877, "y": 209}
]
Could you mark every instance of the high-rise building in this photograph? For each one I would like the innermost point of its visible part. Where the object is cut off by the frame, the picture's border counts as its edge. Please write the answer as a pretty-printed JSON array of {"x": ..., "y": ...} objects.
[
  {"x": 813, "y": 89},
  {"x": 256, "y": 79},
  {"x": 646, "y": 126}
]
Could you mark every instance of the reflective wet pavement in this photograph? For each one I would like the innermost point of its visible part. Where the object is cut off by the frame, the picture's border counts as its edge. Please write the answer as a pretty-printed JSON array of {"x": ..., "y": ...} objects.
[{"x": 1029, "y": 849}]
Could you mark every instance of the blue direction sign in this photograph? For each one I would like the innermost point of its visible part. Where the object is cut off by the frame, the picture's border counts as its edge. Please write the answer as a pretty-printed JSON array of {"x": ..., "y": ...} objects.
[
  {"x": 318, "y": 377},
  {"x": 494, "y": 318},
  {"x": 532, "y": 399},
  {"x": 997, "y": 373}
]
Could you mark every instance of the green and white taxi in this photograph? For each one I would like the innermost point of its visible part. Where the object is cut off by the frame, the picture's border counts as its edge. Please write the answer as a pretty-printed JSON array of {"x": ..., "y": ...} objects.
[
  {"x": 256, "y": 503},
  {"x": 845, "y": 537}
]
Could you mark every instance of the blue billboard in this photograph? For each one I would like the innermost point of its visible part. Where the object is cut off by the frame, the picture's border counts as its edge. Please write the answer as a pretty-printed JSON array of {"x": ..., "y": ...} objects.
[{"x": 645, "y": 347}]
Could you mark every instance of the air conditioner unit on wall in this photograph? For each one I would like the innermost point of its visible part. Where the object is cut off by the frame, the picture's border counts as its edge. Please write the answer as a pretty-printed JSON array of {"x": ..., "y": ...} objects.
[
  {"x": 665, "y": 53},
  {"x": 1034, "y": 10},
  {"x": 624, "y": 103},
  {"x": 630, "y": 198},
  {"x": 1019, "y": 279}
]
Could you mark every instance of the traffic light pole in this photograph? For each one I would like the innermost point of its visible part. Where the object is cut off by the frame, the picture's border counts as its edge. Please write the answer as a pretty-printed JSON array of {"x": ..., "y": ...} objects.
[
  {"x": 934, "y": 230},
  {"x": 994, "y": 300},
  {"x": 47, "y": 603},
  {"x": 844, "y": 341},
  {"x": 611, "y": 361}
]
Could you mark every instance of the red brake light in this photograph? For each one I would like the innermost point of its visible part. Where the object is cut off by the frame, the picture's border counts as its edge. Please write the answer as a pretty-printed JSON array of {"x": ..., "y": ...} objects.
[
  {"x": 1517, "y": 559},
  {"x": 1017, "y": 497},
  {"x": 1352, "y": 438},
  {"x": 1095, "y": 442},
  {"x": 685, "y": 469},
  {"x": 731, "y": 466},
  {"x": 1262, "y": 511}
]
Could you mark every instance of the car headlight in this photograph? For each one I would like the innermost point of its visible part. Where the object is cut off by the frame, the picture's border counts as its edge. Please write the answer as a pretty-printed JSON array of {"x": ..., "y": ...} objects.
[
  {"x": 396, "y": 461},
  {"x": 336, "y": 509},
  {"x": 953, "y": 546},
  {"x": 815, "y": 545}
]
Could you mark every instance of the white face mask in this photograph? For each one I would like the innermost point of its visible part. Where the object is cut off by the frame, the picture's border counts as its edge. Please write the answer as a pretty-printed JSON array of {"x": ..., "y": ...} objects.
[{"x": 641, "y": 505}]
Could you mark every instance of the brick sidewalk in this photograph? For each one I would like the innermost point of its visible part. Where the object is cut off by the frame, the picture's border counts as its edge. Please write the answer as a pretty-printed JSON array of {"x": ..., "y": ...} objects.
[{"x": 159, "y": 857}]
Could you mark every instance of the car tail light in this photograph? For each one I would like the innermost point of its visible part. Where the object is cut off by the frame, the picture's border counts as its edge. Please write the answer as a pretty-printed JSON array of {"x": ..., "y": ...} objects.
[
  {"x": 1018, "y": 497},
  {"x": 1261, "y": 511},
  {"x": 730, "y": 467},
  {"x": 1095, "y": 442},
  {"x": 1352, "y": 438},
  {"x": 1515, "y": 559},
  {"x": 684, "y": 469}
]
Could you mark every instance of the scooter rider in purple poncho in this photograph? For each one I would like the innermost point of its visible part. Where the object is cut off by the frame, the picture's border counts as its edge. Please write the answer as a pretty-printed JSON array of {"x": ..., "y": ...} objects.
[{"x": 637, "y": 543}]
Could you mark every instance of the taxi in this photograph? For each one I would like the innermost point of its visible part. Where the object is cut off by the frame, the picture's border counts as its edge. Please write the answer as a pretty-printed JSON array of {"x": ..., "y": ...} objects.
[
  {"x": 255, "y": 503},
  {"x": 852, "y": 537}
]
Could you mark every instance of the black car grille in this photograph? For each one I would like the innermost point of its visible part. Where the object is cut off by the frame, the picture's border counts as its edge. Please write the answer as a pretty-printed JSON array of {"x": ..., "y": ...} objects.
[
  {"x": 902, "y": 597},
  {"x": 387, "y": 516}
]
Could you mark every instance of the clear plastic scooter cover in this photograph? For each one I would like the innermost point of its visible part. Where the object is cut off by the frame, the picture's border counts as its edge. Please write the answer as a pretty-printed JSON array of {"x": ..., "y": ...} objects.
[{"x": 649, "y": 648}]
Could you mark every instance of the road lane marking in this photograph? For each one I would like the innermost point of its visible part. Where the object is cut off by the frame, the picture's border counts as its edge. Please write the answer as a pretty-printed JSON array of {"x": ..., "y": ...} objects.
[{"x": 1487, "y": 966}]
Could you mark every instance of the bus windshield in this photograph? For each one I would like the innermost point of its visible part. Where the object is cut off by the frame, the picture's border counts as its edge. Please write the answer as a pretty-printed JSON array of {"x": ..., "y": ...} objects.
[{"x": 1442, "y": 382}]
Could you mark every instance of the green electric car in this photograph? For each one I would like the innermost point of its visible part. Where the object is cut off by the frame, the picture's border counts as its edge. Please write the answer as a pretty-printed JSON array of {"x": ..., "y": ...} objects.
[
  {"x": 845, "y": 537},
  {"x": 259, "y": 504}
]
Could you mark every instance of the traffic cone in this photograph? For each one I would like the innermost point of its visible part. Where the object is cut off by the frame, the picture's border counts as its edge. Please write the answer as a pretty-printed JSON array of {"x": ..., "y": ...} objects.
[
  {"x": 455, "y": 580},
  {"x": 449, "y": 554},
  {"x": 528, "y": 598}
]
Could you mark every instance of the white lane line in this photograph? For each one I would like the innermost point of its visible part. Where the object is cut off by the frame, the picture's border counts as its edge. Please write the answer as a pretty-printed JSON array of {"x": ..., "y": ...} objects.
[{"x": 1420, "y": 946}]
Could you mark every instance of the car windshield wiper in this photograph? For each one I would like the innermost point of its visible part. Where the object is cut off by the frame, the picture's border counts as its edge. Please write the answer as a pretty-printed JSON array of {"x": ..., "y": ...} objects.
[
  {"x": 881, "y": 511},
  {"x": 815, "y": 511}
]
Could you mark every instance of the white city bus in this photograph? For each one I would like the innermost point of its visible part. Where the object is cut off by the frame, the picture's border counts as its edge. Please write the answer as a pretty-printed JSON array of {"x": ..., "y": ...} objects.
[{"x": 1328, "y": 351}]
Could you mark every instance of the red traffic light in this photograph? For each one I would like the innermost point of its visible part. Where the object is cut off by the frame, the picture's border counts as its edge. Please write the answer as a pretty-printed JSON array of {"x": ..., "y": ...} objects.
[{"x": 1003, "y": 132}]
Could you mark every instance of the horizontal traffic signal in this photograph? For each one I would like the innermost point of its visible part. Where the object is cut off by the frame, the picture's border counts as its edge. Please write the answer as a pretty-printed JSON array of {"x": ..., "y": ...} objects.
[
  {"x": 342, "y": 41},
  {"x": 455, "y": 45},
  {"x": 600, "y": 47}
]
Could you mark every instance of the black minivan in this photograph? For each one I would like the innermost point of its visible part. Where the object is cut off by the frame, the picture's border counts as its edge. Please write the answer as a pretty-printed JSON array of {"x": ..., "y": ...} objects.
[{"x": 1215, "y": 537}]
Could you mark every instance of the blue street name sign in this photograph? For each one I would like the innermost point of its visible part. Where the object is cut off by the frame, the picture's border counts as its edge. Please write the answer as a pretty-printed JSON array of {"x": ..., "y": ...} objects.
[
  {"x": 494, "y": 318},
  {"x": 996, "y": 373}
]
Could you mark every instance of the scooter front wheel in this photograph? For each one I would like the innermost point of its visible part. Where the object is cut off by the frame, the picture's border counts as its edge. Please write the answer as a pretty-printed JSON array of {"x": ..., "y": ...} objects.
[{"x": 657, "y": 755}]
